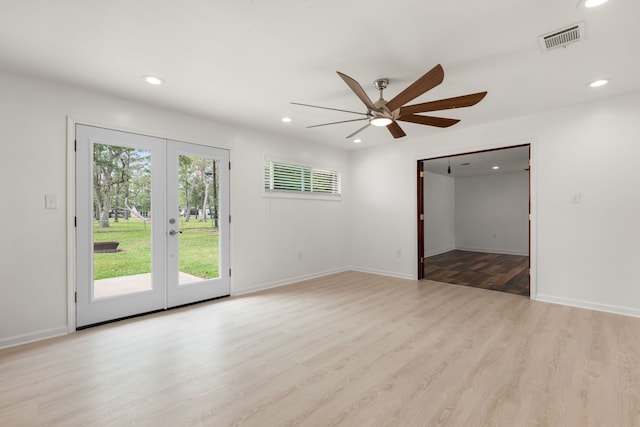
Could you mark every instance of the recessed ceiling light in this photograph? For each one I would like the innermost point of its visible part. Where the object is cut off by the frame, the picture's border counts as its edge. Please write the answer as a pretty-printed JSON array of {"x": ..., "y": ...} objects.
[
  {"x": 357, "y": 141},
  {"x": 153, "y": 80},
  {"x": 593, "y": 3},
  {"x": 286, "y": 119},
  {"x": 496, "y": 168},
  {"x": 599, "y": 83}
]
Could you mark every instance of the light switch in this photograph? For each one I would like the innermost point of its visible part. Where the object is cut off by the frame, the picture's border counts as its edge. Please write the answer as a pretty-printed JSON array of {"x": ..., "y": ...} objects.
[
  {"x": 575, "y": 198},
  {"x": 50, "y": 201}
]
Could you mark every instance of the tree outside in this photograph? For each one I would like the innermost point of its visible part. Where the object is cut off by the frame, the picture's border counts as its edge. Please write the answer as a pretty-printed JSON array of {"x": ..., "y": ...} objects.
[{"x": 122, "y": 212}]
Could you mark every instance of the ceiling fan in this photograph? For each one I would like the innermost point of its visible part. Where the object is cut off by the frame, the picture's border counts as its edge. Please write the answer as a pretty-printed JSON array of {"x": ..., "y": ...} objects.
[{"x": 388, "y": 113}]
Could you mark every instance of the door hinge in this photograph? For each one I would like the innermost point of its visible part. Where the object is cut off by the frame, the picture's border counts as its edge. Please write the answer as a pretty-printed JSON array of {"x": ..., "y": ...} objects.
[
  {"x": 421, "y": 174},
  {"x": 421, "y": 260},
  {"x": 229, "y": 219},
  {"x": 421, "y": 217},
  {"x": 75, "y": 297},
  {"x": 75, "y": 145},
  {"x": 529, "y": 272},
  {"x": 229, "y": 165},
  {"x": 529, "y": 217},
  {"x": 229, "y": 272},
  {"x": 75, "y": 221}
]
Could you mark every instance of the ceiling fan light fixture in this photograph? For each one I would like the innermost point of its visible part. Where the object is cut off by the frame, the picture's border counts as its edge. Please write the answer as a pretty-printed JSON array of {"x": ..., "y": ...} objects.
[{"x": 381, "y": 121}]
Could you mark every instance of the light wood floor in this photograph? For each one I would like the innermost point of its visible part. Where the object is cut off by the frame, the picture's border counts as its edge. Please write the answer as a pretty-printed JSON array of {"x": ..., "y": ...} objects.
[{"x": 352, "y": 349}]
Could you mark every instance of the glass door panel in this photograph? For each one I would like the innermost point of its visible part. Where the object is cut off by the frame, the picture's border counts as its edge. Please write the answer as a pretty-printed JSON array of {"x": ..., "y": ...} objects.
[
  {"x": 121, "y": 220},
  {"x": 197, "y": 185},
  {"x": 199, "y": 244}
]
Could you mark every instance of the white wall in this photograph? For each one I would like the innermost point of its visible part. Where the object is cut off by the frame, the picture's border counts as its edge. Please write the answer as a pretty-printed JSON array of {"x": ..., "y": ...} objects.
[
  {"x": 382, "y": 225},
  {"x": 439, "y": 214},
  {"x": 266, "y": 234},
  {"x": 492, "y": 213},
  {"x": 585, "y": 253}
]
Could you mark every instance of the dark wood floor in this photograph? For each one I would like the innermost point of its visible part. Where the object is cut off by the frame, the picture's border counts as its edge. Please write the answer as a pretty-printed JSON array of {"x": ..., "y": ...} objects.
[{"x": 498, "y": 272}]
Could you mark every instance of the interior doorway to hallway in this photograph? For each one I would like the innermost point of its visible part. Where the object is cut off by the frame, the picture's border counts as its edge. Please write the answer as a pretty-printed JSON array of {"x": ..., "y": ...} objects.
[{"x": 474, "y": 219}]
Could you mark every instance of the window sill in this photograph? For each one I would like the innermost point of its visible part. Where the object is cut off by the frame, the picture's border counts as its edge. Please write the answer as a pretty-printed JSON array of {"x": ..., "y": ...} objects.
[{"x": 302, "y": 196}]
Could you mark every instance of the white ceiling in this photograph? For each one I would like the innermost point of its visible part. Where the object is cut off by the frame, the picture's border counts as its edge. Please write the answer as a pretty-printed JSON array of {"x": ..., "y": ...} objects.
[
  {"x": 508, "y": 160},
  {"x": 244, "y": 61}
]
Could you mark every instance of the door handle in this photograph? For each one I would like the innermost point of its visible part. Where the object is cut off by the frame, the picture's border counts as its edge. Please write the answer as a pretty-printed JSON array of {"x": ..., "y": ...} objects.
[{"x": 174, "y": 232}]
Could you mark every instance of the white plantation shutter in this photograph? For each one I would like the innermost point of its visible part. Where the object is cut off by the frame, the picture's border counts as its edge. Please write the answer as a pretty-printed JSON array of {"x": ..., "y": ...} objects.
[{"x": 280, "y": 176}]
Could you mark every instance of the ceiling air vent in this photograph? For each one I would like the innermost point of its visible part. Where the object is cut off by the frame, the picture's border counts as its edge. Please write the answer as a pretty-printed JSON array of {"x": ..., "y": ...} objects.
[{"x": 562, "y": 37}]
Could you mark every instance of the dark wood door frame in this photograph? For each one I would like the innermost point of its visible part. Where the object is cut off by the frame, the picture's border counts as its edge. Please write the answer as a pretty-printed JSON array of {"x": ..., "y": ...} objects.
[
  {"x": 420, "y": 205},
  {"x": 420, "y": 218}
]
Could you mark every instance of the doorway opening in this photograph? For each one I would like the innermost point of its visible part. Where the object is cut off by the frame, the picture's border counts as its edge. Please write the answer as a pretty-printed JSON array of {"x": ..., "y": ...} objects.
[{"x": 474, "y": 221}]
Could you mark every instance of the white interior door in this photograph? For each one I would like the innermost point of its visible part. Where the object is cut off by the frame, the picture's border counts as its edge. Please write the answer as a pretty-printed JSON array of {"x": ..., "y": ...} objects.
[{"x": 152, "y": 224}]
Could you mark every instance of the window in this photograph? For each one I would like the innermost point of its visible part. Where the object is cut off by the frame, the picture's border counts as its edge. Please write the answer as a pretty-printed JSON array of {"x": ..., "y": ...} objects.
[{"x": 303, "y": 179}]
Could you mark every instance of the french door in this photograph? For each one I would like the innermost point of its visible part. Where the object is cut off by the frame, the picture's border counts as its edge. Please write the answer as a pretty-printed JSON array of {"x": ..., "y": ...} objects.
[{"x": 152, "y": 224}]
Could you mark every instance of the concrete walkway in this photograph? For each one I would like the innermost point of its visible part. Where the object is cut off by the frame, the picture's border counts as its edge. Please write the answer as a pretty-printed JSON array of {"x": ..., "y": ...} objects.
[{"x": 131, "y": 284}]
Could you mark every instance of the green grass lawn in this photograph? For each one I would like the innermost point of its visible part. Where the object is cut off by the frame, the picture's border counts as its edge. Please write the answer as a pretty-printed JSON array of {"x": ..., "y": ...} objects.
[{"x": 198, "y": 249}]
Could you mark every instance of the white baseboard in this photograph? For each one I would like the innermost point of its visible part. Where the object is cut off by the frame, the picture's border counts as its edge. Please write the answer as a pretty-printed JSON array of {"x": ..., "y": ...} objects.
[
  {"x": 293, "y": 280},
  {"x": 384, "y": 273},
  {"x": 428, "y": 254},
  {"x": 33, "y": 337},
  {"x": 288, "y": 281},
  {"x": 493, "y": 251},
  {"x": 625, "y": 311}
]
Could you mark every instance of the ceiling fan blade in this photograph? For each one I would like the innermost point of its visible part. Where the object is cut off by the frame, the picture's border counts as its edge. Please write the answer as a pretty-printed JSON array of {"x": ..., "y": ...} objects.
[
  {"x": 335, "y": 123},
  {"x": 357, "y": 89},
  {"x": 358, "y": 131},
  {"x": 431, "y": 79},
  {"x": 327, "y": 108},
  {"x": 440, "y": 122},
  {"x": 444, "y": 104},
  {"x": 396, "y": 130}
]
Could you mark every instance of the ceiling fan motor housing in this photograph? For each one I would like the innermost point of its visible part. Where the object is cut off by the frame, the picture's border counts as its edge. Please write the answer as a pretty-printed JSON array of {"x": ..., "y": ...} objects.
[
  {"x": 381, "y": 84},
  {"x": 381, "y": 104}
]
